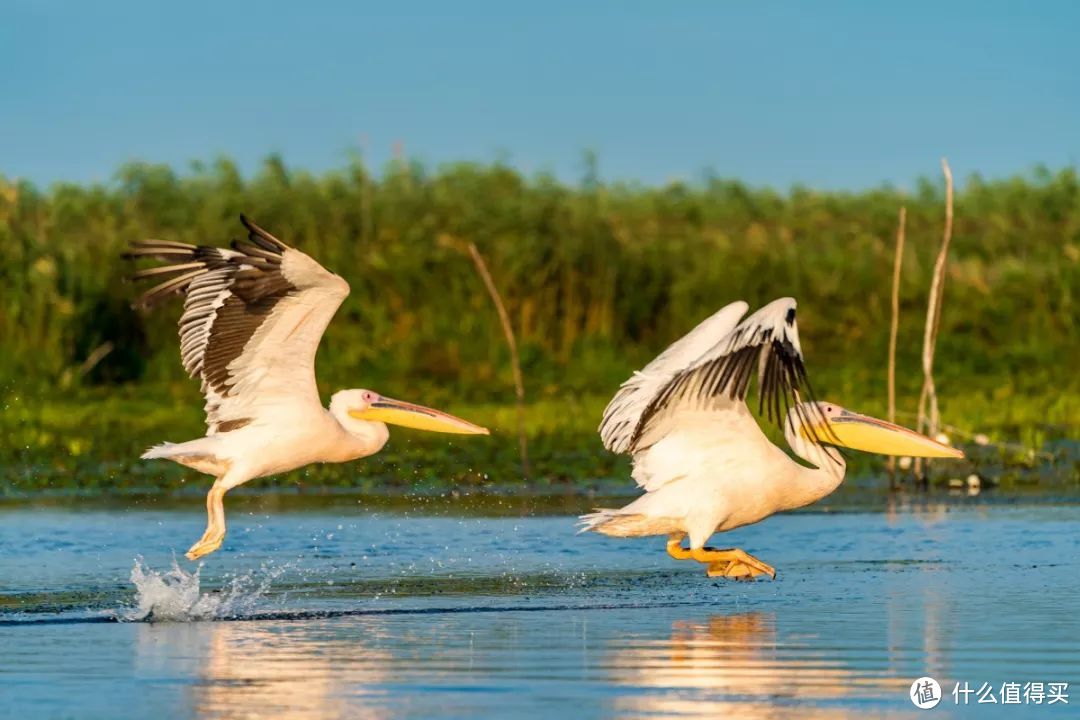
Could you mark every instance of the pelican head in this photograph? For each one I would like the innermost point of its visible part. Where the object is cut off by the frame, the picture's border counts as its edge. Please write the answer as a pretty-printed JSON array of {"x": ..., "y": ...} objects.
[
  {"x": 370, "y": 406},
  {"x": 826, "y": 422}
]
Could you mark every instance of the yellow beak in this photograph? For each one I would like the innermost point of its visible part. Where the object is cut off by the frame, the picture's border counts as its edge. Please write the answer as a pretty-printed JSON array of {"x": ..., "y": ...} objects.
[
  {"x": 418, "y": 417},
  {"x": 861, "y": 432}
]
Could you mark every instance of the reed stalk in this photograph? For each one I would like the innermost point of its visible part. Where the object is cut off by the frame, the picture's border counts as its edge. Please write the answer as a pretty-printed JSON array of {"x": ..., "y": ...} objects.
[
  {"x": 515, "y": 361},
  {"x": 929, "y": 418},
  {"x": 894, "y": 329}
]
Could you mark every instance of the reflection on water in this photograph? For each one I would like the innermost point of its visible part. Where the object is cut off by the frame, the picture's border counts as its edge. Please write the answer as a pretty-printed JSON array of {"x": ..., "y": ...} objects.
[
  {"x": 517, "y": 618},
  {"x": 256, "y": 670},
  {"x": 714, "y": 665},
  {"x": 734, "y": 666}
]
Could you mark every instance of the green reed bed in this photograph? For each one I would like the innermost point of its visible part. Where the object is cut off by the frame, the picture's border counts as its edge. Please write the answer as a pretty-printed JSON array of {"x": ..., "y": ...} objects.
[{"x": 597, "y": 278}]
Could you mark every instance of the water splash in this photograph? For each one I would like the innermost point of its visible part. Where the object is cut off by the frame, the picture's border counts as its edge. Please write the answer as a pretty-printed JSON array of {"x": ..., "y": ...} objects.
[{"x": 175, "y": 595}]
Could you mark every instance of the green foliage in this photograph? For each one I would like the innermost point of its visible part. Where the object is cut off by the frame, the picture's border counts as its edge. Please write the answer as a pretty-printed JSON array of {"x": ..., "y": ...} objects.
[{"x": 597, "y": 279}]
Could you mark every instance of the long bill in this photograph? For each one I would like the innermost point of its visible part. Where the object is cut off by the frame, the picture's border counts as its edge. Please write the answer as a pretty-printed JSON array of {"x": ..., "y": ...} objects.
[
  {"x": 862, "y": 432},
  {"x": 418, "y": 417}
]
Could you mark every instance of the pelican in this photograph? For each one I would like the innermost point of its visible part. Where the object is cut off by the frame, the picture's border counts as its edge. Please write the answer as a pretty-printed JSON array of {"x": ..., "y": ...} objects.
[
  {"x": 701, "y": 458},
  {"x": 252, "y": 321}
]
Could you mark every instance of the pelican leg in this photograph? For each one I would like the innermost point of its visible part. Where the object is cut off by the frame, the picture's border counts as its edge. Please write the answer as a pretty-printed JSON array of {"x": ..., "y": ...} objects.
[
  {"x": 675, "y": 548},
  {"x": 215, "y": 524},
  {"x": 732, "y": 563}
]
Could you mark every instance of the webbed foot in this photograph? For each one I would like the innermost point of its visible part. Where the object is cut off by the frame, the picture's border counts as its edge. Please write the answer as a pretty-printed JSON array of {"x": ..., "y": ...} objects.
[
  {"x": 729, "y": 562},
  {"x": 210, "y": 541}
]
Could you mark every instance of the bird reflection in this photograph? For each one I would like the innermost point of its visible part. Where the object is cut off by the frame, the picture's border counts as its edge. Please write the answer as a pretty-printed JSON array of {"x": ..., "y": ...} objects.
[
  {"x": 734, "y": 666},
  {"x": 248, "y": 670}
]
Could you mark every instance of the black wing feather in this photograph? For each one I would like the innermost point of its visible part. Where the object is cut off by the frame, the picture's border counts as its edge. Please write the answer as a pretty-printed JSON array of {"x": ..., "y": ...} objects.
[{"x": 757, "y": 343}]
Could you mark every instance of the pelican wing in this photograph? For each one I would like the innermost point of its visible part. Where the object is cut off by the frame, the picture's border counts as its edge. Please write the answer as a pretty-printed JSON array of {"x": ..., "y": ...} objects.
[
  {"x": 253, "y": 318},
  {"x": 767, "y": 341},
  {"x": 623, "y": 414}
]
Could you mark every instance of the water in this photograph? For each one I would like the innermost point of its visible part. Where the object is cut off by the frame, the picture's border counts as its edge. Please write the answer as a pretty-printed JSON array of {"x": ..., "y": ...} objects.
[{"x": 340, "y": 611}]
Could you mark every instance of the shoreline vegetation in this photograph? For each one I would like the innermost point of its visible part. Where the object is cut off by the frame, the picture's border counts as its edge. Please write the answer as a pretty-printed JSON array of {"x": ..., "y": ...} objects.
[{"x": 594, "y": 280}]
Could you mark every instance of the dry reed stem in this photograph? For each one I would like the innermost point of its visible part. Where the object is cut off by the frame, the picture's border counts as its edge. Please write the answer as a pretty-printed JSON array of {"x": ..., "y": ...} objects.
[
  {"x": 929, "y": 419},
  {"x": 508, "y": 331},
  {"x": 894, "y": 329},
  {"x": 99, "y": 353}
]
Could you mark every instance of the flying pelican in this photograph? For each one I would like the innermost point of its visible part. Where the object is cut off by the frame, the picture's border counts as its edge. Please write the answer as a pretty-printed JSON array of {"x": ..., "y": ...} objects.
[
  {"x": 698, "y": 453},
  {"x": 253, "y": 318}
]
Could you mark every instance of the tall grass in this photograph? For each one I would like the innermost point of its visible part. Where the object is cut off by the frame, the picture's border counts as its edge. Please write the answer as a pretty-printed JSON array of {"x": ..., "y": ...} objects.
[{"x": 596, "y": 278}]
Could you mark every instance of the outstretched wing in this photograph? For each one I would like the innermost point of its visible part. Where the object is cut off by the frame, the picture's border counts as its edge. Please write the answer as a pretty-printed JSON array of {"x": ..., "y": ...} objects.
[
  {"x": 767, "y": 341},
  {"x": 623, "y": 414},
  {"x": 253, "y": 318}
]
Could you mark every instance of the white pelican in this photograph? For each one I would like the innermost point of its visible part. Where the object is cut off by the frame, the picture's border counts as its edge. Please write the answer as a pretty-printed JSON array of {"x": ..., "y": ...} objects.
[
  {"x": 253, "y": 318},
  {"x": 698, "y": 453}
]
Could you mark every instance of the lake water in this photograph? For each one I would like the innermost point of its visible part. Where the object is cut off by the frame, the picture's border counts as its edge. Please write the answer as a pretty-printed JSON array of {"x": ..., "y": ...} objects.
[{"x": 344, "y": 611}]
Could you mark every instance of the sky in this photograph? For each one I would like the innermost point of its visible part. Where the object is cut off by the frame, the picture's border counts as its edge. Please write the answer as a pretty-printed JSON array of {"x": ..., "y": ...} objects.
[{"x": 831, "y": 95}]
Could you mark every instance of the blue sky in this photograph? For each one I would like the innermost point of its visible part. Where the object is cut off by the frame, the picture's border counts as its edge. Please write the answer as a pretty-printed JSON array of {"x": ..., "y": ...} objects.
[{"x": 829, "y": 94}]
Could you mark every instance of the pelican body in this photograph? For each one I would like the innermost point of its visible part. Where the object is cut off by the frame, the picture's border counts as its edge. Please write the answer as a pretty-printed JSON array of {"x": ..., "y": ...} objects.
[
  {"x": 253, "y": 317},
  {"x": 701, "y": 457}
]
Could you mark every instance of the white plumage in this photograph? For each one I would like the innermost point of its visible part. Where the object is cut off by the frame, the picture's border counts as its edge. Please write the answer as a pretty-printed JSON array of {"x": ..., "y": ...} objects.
[
  {"x": 253, "y": 319},
  {"x": 624, "y": 411},
  {"x": 698, "y": 453}
]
